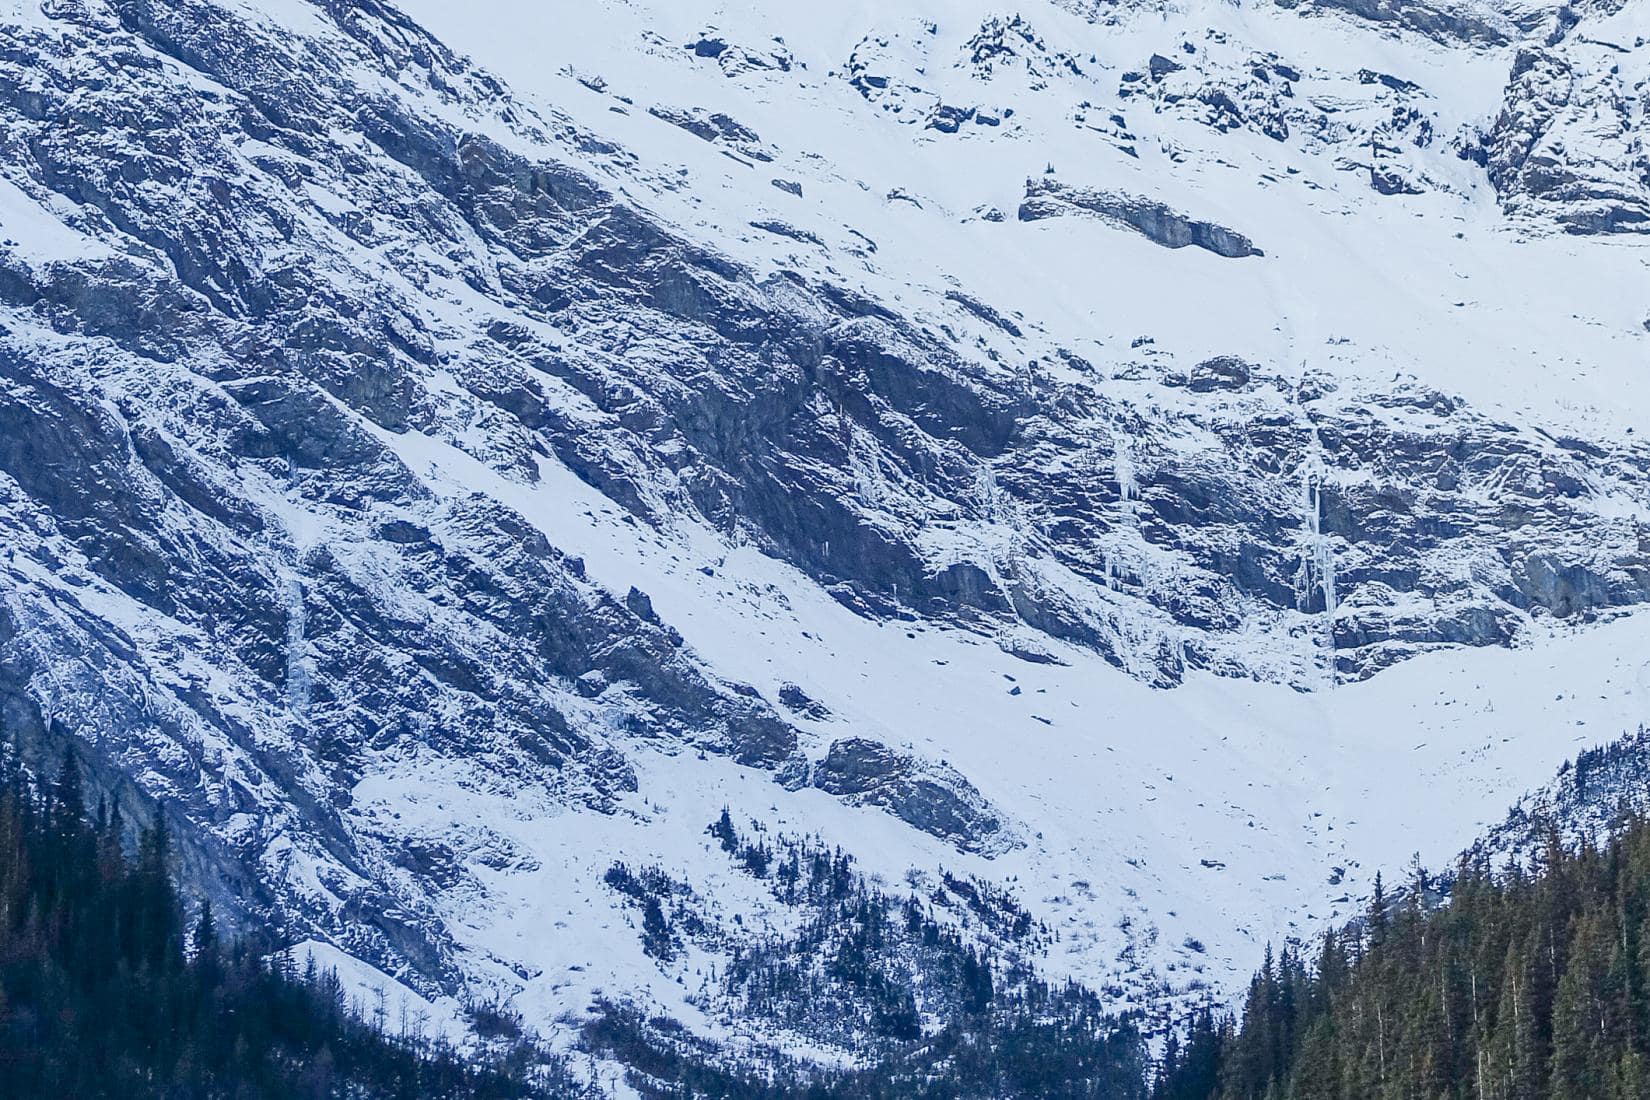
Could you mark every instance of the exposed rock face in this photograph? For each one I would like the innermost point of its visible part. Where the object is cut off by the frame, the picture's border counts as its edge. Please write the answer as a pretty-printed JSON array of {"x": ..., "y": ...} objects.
[
  {"x": 331, "y": 375},
  {"x": 1224, "y": 372},
  {"x": 714, "y": 127},
  {"x": 171, "y": 410},
  {"x": 1447, "y": 22},
  {"x": 1048, "y": 198},
  {"x": 1569, "y": 144},
  {"x": 932, "y": 797}
]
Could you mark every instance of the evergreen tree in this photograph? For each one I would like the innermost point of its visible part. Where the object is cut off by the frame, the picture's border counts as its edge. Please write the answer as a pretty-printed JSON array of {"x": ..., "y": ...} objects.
[
  {"x": 656, "y": 938},
  {"x": 99, "y": 1000},
  {"x": 1530, "y": 984}
]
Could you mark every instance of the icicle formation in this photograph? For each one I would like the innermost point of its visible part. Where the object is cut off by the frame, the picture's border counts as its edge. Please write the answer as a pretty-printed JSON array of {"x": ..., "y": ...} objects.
[
  {"x": 1316, "y": 574},
  {"x": 297, "y": 663},
  {"x": 1128, "y": 488},
  {"x": 1128, "y": 491},
  {"x": 864, "y": 466},
  {"x": 995, "y": 505}
]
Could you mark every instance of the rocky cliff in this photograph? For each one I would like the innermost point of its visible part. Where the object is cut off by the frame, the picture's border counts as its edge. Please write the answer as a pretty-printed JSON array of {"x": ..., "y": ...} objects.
[{"x": 439, "y": 461}]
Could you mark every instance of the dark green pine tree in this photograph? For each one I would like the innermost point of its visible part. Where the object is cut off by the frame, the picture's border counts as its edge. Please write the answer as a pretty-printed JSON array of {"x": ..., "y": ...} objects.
[
  {"x": 1531, "y": 984},
  {"x": 99, "y": 1000},
  {"x": 656, "y": 937},
  {"x": 722, "y": 829},
  {"x": 1583, "y": 1015}
]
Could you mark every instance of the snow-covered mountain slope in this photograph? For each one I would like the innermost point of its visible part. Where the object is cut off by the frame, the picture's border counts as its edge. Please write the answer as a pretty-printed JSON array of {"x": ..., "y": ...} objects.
[
  {"x": 1016, "y": 240},
  {"x": 1592, "y": 796},
  {"x": 1166, "y": 462}
]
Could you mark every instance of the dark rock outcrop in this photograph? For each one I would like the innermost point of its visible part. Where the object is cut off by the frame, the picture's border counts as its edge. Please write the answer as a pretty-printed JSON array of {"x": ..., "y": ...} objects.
[
  {"x": 1569, "y": 143},
  {"x": 932, "y": 797},
  {"x": 1049, "y": 198}
]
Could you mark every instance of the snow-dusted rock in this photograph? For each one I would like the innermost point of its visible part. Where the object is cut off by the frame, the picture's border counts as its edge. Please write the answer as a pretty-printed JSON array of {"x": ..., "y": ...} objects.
[
  {"x": 1570, "y": 142},
  {"x": 431, "y": 481}
]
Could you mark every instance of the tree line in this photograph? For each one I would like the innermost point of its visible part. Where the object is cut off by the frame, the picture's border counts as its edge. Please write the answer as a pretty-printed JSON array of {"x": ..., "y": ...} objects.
[
  {"x": 928, "y": 1013},
  {"x": 108, "y": 991},
  {"x": 1531, "y": 981}
]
